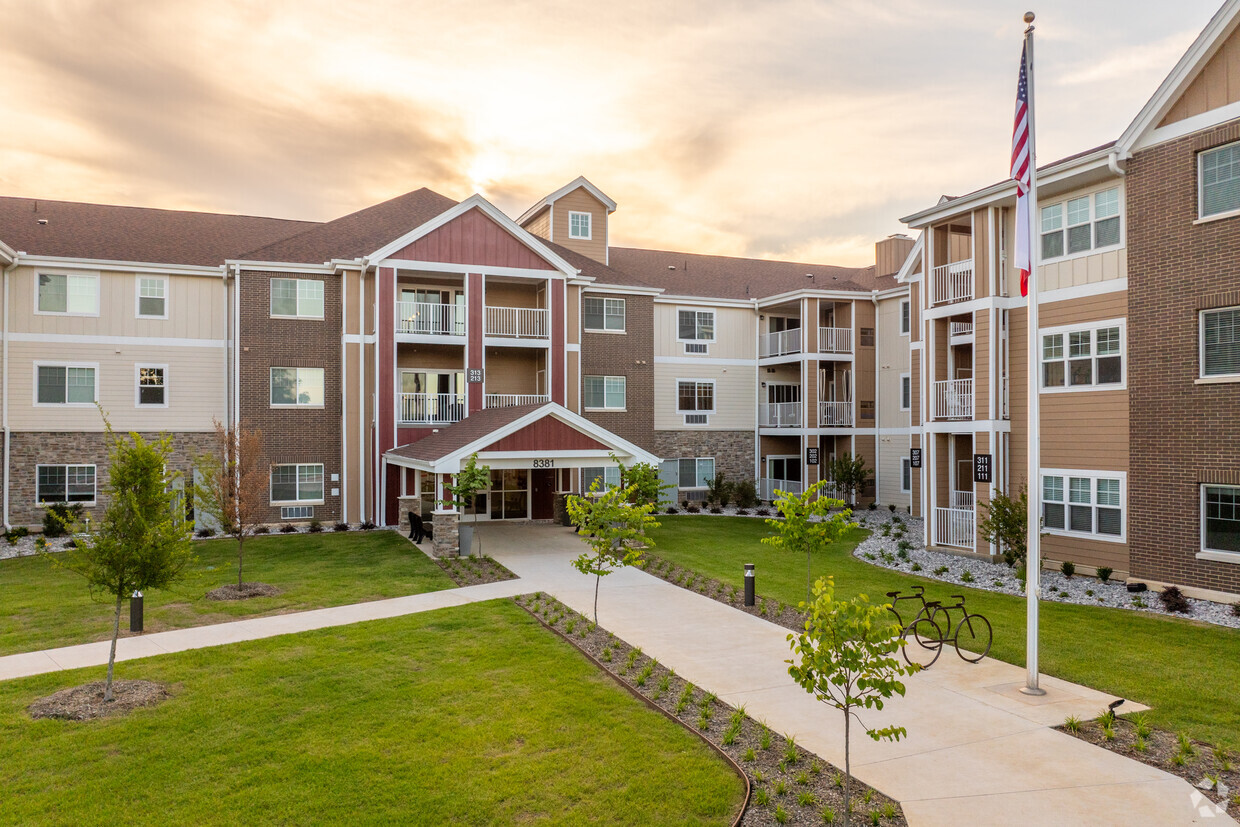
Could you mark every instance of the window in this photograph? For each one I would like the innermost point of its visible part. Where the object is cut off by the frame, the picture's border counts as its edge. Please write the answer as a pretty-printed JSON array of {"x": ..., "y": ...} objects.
[
  {"x": 72, "y": 295},
  {"x": 297, "y": 298},
  {"x": 694, "y": 472},
  {"x": 152, "y": 297},
  {"x": 64, "y": 484},
  {"x": 1220, "y": 518},
  {"x": 607, "y": 477},
  {"x": 906, "y": 317},
  {"x": 696, "y": 325},
  {"x": 64, "y": 385},
  {"x": 1082, "y": 502},
  {"x": 579, "y": 225},
  {"x": 152, "y": 387},
  {"x": 510, "y": 494},
  {"x": 1092, "y": 222},
  {"x": 906, "y": 475},
  {"x": 1219, "y": 176},
  {"x": 297, "y": 386},
  {"x": 693, "y": 395},
  {"x": 1083, "y": 357},
  {"x": 296, "y": 483},
  {"x": 603, "y": 314},
  {"x": 605, "y": 392},
  {"x": 906, "y": 392},
  {"x": 1220, "y": 342},
  {"x": 867, "y": 336}
]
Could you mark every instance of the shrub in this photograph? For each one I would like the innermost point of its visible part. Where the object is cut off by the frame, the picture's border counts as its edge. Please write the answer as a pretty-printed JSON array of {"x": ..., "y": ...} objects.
[
  {"x": 1072, "y": 724},
  {"x": 873, "y": 506},
  {"x": 762, "y": 512},
  {"x": 916, "y": 567},
  {"x": 315, "y": 527},
  {"x": 1235, "y": 609},
  {"x": 671, "y": 509},
  {"x": 1068, "y": 568},
  {"x": 1173, "y": 600},
  {"x": 892, "y": 508},
  {"x": 16, "y": 533},
  {"x": 1006, "y": 523},
  {"x": 70, "y": 543},
  {"x": 288, "y": 528},
  {"x": 966, "y": 576},
  {"x": 262, "y": 529},
  {"x": 367, "y": 526},
  {"x": 340, "y": 527},
  {"x": 685, "y": 505},
  {"x": 205, "y": 532},
  {"x": 941, "y": 570},
  {"x": 742, "y": 512},
  {"x": 1104, "y": 573},
  {"x": 745, "y": 494},
  {"x": 718, "y": 490},
  {"x": 59, "y": 517},
  {"x": 714, "y": 509}
]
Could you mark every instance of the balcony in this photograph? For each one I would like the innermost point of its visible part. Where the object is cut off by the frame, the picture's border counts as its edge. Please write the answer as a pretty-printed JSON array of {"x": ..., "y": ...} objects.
[
  {"x": 953, "y": 527},
  {"x": 780, "y": 415},
  {"x": 518, "y": 322},
  {"x": 962, "y": 499},
  {"x": 962, "y": 328},
  {"x": 953, "y": 399},
  {"x": 835, "y": 340},
  {"x": 779, "y": 343},
  {"x": 835, "y": 414},
  {"x": 952, "y": 282},
  {"x": 430, "y": 319},
  {"x": 430, "y": 408},
  {"x": 513, "y": 400},
  {"x": 768, "y": 487}
]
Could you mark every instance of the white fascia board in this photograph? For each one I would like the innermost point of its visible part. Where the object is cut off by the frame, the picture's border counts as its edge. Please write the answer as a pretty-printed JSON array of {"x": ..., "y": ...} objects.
[
  {"x": 914, "y": 256},
  {"x": 282, "y": 266},
  {"x": 707, "y": 301},
  {"x": 813, "y": 293},
  {"x": 1181, "y": 76},
  {"x": 892, "y": 293},
  {"x": 1179, "y": 129},
  {"x": 579, "y": 181},
  {"x": 462, "y": 269},
  {"x": 476, "y": 201},
  {"x": 600, "y": 287},
  {"x": 7, "y": 254},
  {"x": 214, "y": 271}
]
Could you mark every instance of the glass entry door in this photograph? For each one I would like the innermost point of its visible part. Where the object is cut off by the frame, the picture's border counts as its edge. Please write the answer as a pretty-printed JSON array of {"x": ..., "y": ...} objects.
[{"x": 510, "y": 494}]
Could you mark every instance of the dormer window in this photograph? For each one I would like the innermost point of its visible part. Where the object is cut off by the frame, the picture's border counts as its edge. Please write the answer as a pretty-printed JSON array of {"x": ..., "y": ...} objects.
[{"x": 579, "y": 225}]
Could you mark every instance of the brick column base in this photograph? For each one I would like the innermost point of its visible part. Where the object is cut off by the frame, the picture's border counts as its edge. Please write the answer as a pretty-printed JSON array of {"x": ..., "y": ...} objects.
[
  {"x": 447, "y": 541},
  {"x": 407, "y": 504},
  {"x": 560, "y": 515}
]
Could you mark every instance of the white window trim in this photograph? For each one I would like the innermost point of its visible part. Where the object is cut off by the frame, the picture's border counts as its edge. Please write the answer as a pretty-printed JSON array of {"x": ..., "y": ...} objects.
[
  {"x": 906, "y": 462},
  {"x": 85, "y": 504},
  {"x": 299, "y": 314},
  {"x": 298, "y": 466},
  {"x": 1201, "y": 187},
  {"x": 604, "y": 377},
  {"x": 271, "y": 387},
  {"x": 137, "y": 295},
  {"x": 906, "y": 331},
  {"x": 714, "y": 400},
  {"x": 66, "y": 274},
  {"x": 909, "y": 377},
  {"x": 1201, "y": 349},
  {"x": 35, "y": 395},
  {"x": 589, "y": 226},
  {"x": 604, "y": 300},
  {"x": 137, "y": 385},
  {"x": 1063, "y": 202},
  {"x": 1093, "y": 477},
  {"x": 1121, "y": 385},
  {"x": 714, "y": 324},
  {"x": 1205, "y": 552}
]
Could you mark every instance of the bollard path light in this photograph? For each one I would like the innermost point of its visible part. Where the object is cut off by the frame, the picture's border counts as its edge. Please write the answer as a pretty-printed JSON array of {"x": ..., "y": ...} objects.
[
  {"x": 749, "y": 584},
  {"x": 135, "y": 612}
]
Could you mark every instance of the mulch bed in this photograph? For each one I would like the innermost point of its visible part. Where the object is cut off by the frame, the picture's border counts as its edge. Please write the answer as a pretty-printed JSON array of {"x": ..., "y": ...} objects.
[
  {"x": 1200, "y": 762},
  {"x": 243, "y": 592},
  {"x": 85, "y": 702},
  {"x": 786, "y": 780},
  {"x": 474, "y": 571},
  {"x": 782, "y": 614}
]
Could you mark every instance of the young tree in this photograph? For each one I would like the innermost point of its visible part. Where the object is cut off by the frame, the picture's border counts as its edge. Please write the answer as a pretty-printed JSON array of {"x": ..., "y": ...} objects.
[
  {"x": 232, "y": 488},
  {"x": 807, "y": 525},
  {"x": 846, "y": 657},
  {"x": 615, "y": 529},
  {"x": 464, "y": 487},
  {"x": 1006, "y": 524},
  {"x": 850, "y": 475},
  {"x": 143, "y": 541},
  {"x": 644, "y": 478}
]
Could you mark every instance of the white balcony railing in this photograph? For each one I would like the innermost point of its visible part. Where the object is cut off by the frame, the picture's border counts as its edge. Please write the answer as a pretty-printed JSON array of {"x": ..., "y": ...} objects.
[
  {"x": 518, "y": 322},
  {"x": 953, "y": 399},
  {"x": 430, "y": 318},
  {"x": 962, "y": 328},
  {"x": 512, "y": 400},
  {"x": 953, "y": 527},
  {"x": 430, "y": 408},
  {"x": 953, "y": 282},
  {"x": 835, "y": 340},
  {"x": 835, "y": 414},
  {"x": 779, "y": 343},
  {"x": 768, "y": 487},
  {"x": 780, "y": 414},
  {"x": 962, "y": 499}
]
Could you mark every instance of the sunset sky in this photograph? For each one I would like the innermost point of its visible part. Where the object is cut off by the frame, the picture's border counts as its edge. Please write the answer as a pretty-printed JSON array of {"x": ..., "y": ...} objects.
[{"x": 798, "y": 130}]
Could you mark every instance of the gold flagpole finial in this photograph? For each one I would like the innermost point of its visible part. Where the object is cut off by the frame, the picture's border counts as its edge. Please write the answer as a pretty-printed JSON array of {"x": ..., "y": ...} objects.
[{"x": 1029, "y": 17}]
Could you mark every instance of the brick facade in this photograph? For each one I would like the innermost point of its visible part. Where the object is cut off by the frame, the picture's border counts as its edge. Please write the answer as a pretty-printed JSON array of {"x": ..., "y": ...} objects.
[
  {"x": 629, "y": 354},
  {"x": 1183, "y": 434},
  {"x": 293, "y": 435},
  {"x": 30, "y": 449}
]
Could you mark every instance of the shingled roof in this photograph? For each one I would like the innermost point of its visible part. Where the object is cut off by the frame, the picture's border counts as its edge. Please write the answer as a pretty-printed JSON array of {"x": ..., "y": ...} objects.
[
  {"x": 70, "y": 229},
  {"x": 476, "y": 426}
]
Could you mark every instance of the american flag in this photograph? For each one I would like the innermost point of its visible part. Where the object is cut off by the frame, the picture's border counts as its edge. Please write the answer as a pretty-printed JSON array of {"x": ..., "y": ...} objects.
[{"x": 1022, "y": 169}]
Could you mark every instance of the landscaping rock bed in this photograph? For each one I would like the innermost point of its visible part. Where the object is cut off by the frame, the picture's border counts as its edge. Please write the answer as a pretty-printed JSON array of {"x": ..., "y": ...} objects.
[
  {"x": 85, "y": 702},
  {"x": 473, "y": 571},
  {"x": 789, "y": 784},
  {"x": 1216, "y": 773},
  {"x": 243, "y": 592}
]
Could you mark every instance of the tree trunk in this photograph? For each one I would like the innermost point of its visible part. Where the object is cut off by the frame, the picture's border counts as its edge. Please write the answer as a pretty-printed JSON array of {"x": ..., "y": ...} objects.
[
  {"x": 809, "y": 577},
  {"x": 116, "y": 632},
  {"x": 597, "y": 579},
  {"x": 847, "y": 772},
  {"x": 240, "y": 558}
]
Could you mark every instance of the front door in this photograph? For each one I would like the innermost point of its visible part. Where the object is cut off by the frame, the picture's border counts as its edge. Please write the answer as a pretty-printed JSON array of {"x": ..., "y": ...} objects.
[{"x": 542, "y": 485}]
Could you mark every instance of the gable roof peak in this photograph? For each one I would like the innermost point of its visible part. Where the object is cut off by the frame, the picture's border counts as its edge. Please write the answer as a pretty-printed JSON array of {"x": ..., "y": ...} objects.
[{"x": 580, "y": 182}]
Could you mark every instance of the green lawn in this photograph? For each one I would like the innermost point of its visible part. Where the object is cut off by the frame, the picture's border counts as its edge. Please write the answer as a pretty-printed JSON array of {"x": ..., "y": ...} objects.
[
  {"x": 469, "y": 715},
  {"x": 1187, "y": 671},
  {"x": 46, "y": 607}
]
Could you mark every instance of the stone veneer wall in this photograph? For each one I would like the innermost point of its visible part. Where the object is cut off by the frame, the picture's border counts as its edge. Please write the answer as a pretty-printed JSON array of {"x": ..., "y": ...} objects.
[
  {"x": 29, "y": 449},
  {"x": 733, "y": 450}
]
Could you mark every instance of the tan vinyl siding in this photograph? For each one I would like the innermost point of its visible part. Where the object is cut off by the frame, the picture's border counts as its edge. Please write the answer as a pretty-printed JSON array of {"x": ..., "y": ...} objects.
[
  {"x": 1102, "y": 266},
  {"x": 981, "y": 365},
  {"x": 735, "y": 393},
  {"x": 574, "y": 381},
  {"x": 512, "y": 370},
  {"x": 580, "y": 200},
  {"x": 428, "y": 357},
  {"x": 540, "y": 224},
  {"x": 735, "y": 332},
  {"x": 573, "y": 296},
  {"x": 513, "y": 294},
  {"x": 1084, "y": 310},
  {"x": 1216, "y": 85},
  {"x": 353, "y": 448},
  {"x": 1086, "y": 430},
  {"x": 893, "y": 360}
]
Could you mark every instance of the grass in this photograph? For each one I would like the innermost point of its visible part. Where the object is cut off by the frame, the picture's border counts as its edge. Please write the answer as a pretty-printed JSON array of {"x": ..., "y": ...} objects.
[
  {"x": 468, "y": 715},
  {"x": 47, "y": 607},
  {"x": 1131, "y": 655}
]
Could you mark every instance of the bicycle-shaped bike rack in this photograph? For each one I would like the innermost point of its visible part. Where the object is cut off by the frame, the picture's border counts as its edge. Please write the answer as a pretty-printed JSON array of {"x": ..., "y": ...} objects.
[{"x": 926, "y": 635}]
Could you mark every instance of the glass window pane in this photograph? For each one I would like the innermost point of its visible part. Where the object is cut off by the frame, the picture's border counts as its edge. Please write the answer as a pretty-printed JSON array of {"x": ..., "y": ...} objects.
[
  {"x": 283, "y": 297},
  {"x": 1110, "y": 370},
  {"x": 51, "y": 484},
  {"x": 1108, "y": 341},
  {"x": 1052, "y": 217},
  {"x": 705, "y": 325},
  {"x": 1052, "y": 346},
  {"x": 1052, "y": 489},
  {"x": 686, "y": 325},
  {"x": 614, "y": 309},
  {"x": 310, "y": 298},
  {"x": 1081, "y": 518},
  {"x": 1079, "y": 490},
  {"x": 150, "y": 386},
  {"x": 1078, "y": 239},
  {"x": 592, "y": 313},
  {"x": 1052, "y": 244},
  {"x": 53, "y": 293},
  {"x": 1078, "y": 211},
  {"x": 1052, "y": 374},
  {"x": 615, "y": 391},
  {"x": 310, "y": 386},
  {"x": 1106, "y": 203},
  {"x": 283, "y": 386},
  {"x": 1222, "y": 518},
  {"x": 705, "y": 396},
  {"x": 1222, "y": 342},
  {"x": 80, "y": 483},
  {"x": 1106, "y": 232},
  {"x": 82, "y": 294},
  {"x": 1108, "y": 492},
  {"x": 150, "y": 307},
  {"x": 283, "y": 483},
  {"x": 1220, "y": 180},
  {"x": 1078, "y": 343},
  {"x": 1110, "y": 521},
  {"x": 706, "y": 470},
  {"x": 687, "y": 473},
  {"x": 1052, "y": 515},
  {"x": 686, "y": 396},
  {"x": 1081, "y": 372},
  {"x": 309, "y": 482},
  {"x": 81, "y": 385},
  {"x": 51, "y": 385},
  {"x": 589, "y": 476}
]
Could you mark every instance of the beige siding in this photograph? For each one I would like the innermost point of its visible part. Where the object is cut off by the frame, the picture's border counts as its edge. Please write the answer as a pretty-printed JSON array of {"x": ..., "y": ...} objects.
[
  {"x": 1103, "y": 266},
  {"x": 573, "y": 304},
  {"x": 580, "y": 200},
  {"x": 515, "y": 294},
  {"x": 428, "y": 357},
  {"x": 735, "y": 332},
  {"x": 540, "y": 224},
  {"x": 1086, "y": 430},
  {"x": 512, "y": 370},
  {"x": 893, "y": 360},
  {"x": 1084, "y": 310},
  {"x": 735, "y": 393},
  {"x": 1218, "y": 84}
]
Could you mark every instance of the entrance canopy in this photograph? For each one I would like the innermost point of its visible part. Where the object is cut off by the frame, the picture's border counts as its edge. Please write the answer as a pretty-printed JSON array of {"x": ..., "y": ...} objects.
[{"x": 527, "y": 436}]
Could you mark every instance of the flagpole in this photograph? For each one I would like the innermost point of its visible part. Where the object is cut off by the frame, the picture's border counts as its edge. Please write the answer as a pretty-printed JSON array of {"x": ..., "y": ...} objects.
[{"x": 1033, "y": 567}]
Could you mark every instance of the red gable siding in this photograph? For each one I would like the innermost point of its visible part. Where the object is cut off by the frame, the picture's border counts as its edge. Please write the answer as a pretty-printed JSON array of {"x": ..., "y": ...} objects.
[
  {"x": 547, "y": 434},
  {"x": 473, "y": 238}
]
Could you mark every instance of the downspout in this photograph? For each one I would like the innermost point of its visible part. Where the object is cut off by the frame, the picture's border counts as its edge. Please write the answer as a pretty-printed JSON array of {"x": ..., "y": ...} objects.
[
  {"x": 4, "y": 390},
  {"x": 1113, "y": 164},
  {"x": 757, "y": 396},
  {"x": 878, "y": 450}
]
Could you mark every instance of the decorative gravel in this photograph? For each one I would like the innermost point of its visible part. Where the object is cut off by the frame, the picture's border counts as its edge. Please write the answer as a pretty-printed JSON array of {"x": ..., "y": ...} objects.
[{"x": 998, "y": 577}]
